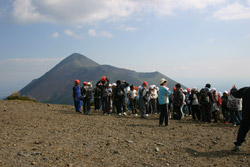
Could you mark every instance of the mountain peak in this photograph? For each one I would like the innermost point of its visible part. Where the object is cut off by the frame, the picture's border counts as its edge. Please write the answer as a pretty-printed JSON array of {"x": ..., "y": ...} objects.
[{"x": 78, "y": 60}]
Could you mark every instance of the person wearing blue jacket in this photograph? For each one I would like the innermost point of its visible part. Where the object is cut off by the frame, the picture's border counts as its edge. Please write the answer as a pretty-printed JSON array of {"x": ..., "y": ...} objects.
[
  {"x": 77, "y": 96},
  {"x": 163, "y": 102}
]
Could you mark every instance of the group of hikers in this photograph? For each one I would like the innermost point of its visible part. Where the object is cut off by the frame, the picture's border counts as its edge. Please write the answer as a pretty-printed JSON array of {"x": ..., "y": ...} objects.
[{"x": 204, "y": 105}]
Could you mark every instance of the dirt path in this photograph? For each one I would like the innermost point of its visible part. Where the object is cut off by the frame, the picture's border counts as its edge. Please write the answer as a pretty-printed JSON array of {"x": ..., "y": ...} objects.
[{"x": 35, "y": 134}]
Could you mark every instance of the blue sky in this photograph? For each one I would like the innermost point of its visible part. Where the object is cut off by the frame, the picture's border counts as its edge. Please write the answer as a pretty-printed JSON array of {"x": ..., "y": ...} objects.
[{"x": 191, "y": 41}]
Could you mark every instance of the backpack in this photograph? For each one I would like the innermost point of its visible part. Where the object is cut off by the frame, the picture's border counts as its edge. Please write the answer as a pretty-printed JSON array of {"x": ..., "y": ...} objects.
[
  {"x": 204, "y": 97},
  {"x": 105, "y": 92},
  {"x": 120, "y": 92},
  {"x": 232, "y": 103},
  {"x": 178, "y": 98}
]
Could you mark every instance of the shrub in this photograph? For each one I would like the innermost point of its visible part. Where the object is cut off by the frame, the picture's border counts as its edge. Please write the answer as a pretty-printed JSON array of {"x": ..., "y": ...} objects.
[{"x": 17, "y": 96}]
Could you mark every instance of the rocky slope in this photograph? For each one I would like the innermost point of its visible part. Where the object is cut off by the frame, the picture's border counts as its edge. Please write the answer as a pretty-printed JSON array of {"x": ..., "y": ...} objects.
[{"x": 36, "y": 134}]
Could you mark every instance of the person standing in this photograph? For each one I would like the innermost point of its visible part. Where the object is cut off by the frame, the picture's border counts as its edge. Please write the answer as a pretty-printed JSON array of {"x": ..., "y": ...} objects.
[
  {"x": 178, "y": 102},
  {"x": 119, "y": 95},
  {"x": 224, "y": 107},
  {"x": 86, "y": 93},
  {"x": 143, "y": 99},
  {"x": 77, "y": 96},
  {"x": 163, "y": 102},
  {"x": 153, "y": 98},
  {"x": 243, "y": 93},
  {"x": 97, "y": 97},
  {"x": 103, "y": 84},
  {"x": 206, "y": 102},
  {"x": 194, "y": 101},
  {"x": 132, "y": 94}
]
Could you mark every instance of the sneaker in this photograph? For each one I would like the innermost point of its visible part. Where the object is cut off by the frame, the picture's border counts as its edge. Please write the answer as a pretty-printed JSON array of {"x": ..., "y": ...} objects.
[
  {"x": 136, "y": 114},
  {"x": 234, "y": 125},
  {"x": 120, "y": 114},
  {"x": 124, "y": 113},
  {"x": 236, "y": 148},
  {"x": 146, "y": 115}
]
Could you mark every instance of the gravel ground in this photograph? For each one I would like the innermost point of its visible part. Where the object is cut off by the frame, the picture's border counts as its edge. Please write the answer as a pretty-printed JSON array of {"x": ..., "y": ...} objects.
[{"x": 36, "y": 134}]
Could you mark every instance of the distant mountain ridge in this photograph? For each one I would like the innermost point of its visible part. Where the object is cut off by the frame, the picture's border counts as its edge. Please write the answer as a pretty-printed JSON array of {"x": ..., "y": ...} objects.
[{"x": 55, "y": 86}]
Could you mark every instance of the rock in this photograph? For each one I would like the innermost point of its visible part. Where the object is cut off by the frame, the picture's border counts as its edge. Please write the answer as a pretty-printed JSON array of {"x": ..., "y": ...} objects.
[
  {"x": 70, "y": 165},
  {"x": 37, "y": 142},
  {"x": 116, "y": 152},
  {"x": 48, "y": 105},
  {"x": 160, "y": 144},
  {"x": 157, "y": 149},
  {"x": 35, "y": 153},
  {"x": 33, "y": 163},
  {"x": 129, "y": 141}
]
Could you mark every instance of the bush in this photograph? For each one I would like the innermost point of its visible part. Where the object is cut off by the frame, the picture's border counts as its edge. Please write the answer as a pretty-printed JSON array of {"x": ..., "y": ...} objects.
[{"x": 17, "y": 96}]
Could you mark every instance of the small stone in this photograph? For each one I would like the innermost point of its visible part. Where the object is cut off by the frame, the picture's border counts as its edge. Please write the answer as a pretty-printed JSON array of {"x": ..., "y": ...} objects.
[
  {"x": 70, "y": 165},
  {"x": 116, "y": 152},
  {"x": 130, "y": 141},
  {"x": 33, "y": 163},
  {"x": 48, "y": 105},
  {"x": 37, "y": 142},
  {"x": 167, "y": 164},
  {"x": 157, "y": 149},
  {"x": 160, "y": 144}
]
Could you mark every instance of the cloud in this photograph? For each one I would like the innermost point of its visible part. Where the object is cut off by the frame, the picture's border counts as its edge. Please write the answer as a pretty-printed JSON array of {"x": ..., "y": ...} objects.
[
  {"x": 93, "y": 33},
  {"x": 81, "y": 12},
  {"x": 234, "y": 11},
  {"x": 72, "y": 34},
  {"x": 55, "y": 35},
  {"x": 126, "y": 28},
  {"x": 106, "y": 34}
]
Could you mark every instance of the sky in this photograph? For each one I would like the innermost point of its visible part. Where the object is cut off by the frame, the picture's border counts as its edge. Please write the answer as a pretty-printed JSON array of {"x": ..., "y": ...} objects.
[{"x": 191, "y": 41}]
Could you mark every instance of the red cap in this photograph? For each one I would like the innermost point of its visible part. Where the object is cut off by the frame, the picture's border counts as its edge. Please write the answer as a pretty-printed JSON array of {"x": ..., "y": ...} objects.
[
  {"x": 136, "y": 88},
  {"x": 104, "y": 78},
  {"x": 77, "y": 81},
  {"x": 85, "y": 83},
  {"x": 145, "y": 83},
  {"x": 188, "y": 89},
  {"x": 174, "y": 88}
]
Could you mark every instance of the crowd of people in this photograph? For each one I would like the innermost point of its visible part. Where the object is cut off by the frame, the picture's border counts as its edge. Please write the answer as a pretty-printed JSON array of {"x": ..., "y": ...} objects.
[{"x": 205, "y": 105}]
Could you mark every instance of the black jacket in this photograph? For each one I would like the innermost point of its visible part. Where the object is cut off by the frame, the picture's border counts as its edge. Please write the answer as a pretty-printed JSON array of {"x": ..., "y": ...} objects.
[
  {"x": 244, "y": 93},
  {"x": 104, "y": 87}
]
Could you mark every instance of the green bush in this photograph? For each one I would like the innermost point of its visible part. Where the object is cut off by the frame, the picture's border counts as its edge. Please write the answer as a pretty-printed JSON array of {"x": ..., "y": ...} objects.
[{"x": 17, "y": 96}]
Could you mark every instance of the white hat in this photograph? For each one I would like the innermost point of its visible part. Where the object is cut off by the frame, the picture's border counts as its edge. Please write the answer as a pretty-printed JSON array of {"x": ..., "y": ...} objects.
[
  {"x": 114, "y": 84},
  {"x": 213, "y": 89},
  {"x": 225, "y": 92},
  {"x": 151, "y": 87},
  {"x": 110, "y": 85},
  {"x": 162, "y": 80}
]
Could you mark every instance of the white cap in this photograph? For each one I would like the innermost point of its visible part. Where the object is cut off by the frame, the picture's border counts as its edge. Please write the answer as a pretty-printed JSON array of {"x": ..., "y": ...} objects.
[
  {"x": 110, "y": 85},
  {"x": 162, "y": 80},
  {"x": 225, "y": 92},
  {"x": 114, "y": 84},
  {"x": 213, "y": 89}
]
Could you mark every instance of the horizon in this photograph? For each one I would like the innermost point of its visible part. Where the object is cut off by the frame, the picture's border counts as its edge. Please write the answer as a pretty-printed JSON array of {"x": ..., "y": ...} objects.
[{"x": 193, "y": 42}]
